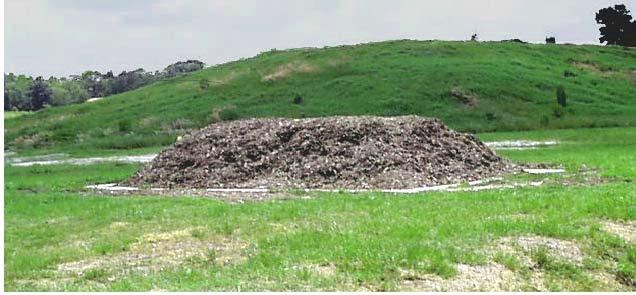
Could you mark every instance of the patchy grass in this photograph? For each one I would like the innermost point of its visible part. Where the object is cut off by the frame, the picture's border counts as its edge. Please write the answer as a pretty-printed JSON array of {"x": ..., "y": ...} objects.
[{"x": 330, "y": 241}]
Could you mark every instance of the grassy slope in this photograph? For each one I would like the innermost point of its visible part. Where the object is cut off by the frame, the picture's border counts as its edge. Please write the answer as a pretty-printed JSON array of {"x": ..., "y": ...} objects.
[
  {"x": 367, "y": 237},
  {"x": 514, "y": 84}
]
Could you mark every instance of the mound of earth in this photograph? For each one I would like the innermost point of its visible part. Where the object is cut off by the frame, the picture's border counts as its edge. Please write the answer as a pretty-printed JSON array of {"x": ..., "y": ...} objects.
[{"x": 334, "y": 152}]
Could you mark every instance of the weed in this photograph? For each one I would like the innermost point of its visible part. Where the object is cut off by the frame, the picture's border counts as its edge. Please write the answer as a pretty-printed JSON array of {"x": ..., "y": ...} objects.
[
  {"x": 96, "y": 274},
  {"x": 509, "y": 261},
  {"x": 198, "y": 233}
]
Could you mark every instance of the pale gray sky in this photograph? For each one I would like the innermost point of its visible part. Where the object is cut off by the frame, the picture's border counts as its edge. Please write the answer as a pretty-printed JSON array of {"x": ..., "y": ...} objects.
[{"x": 62, "y": 37}]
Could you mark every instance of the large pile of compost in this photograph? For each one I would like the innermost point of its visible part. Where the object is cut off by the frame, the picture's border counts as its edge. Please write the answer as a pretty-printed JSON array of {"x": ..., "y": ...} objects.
[{"x": 330, "y": 153}]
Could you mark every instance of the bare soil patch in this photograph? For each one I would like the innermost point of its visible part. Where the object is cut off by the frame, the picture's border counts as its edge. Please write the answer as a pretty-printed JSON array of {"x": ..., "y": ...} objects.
[
  {"x": 289, "y": 68},
  {"x": 519, "y": 144},
  {"x": 155, "y": 252},
  {"x": 330, "y": 153},
  {"x": 562, "y": 249},
  {"x": 489, "y": 277},
  {"x": 625, "y": 230},
  {"x": 494, "y": 276},
  {"x": 465, "y": 97},
  {"x": 593, "y": 67}
]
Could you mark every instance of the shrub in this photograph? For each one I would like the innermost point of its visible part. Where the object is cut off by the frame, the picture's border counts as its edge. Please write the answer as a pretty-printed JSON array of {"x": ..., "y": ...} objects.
[
  {"x": 124, "y": 125},
  {"x": 550, "y": 40},
  {"x": 560, "y": 93},
  {"x": 298, "y": 99},
  {"x": 568, "y": 73}
]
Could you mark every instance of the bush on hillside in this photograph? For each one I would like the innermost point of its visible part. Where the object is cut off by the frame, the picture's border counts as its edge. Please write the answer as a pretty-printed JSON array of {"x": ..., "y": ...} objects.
[
  {"x": 298, "y": 99},
  {"x": 124, "y": 125},
  {"x": 560, "y": 93}
]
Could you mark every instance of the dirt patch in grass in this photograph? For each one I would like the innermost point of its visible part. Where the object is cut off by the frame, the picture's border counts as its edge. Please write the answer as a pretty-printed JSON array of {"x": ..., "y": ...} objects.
[
  {"x": 289, "y": 68},
  {"x": 522, "y": 257},
  {"x": 225, "y": 79},
  {"x": 325, "y": 270},
  {"x": 593, "y": 67},
  {"x": 47, "y": 284},
  {"x": 489, "y": 277},
  {"x": 514, "y": 266},
  {"x": 464, "y": 97},
  {"x": 625, "y": 230},
  {"x": 562, "y": 249},
  {"x": 117, "y": 225},
  {"x": 155, "y": 252}
]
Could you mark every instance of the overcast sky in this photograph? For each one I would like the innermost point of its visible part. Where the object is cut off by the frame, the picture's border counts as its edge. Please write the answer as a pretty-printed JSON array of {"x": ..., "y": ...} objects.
[{"x": 63, "y": 37}]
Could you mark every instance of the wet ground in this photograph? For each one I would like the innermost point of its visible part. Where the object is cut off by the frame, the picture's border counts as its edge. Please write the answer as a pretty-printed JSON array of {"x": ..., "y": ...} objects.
[{"x": 52, "y": 159}]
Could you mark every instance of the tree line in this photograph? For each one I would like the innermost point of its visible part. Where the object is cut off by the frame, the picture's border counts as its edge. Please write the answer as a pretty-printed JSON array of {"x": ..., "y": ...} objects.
[{"x": 25, "y": 93}]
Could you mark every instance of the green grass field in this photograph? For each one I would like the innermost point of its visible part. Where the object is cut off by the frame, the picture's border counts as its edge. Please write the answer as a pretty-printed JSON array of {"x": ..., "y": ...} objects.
[
  {"x": 61, "y": 237},
  {"x": 497, "y": 86}
]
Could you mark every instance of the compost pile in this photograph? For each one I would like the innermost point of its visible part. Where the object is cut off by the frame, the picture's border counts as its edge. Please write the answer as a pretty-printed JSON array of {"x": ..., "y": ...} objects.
[{"x": 330, "y": 153}]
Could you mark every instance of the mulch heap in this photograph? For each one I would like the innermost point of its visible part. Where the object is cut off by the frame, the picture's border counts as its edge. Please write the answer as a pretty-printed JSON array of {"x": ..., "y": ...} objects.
[{"x": 328, "y": 153}]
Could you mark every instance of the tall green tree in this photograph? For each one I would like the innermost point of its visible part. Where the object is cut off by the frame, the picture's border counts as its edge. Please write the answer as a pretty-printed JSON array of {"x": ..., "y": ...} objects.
[
  {"x": 618, "y": 27},
  {"x": 40, "y": 94}
]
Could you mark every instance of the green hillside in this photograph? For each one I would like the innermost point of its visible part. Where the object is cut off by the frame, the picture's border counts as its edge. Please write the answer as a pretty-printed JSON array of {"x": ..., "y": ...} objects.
[{"x": 476, "y": 87}]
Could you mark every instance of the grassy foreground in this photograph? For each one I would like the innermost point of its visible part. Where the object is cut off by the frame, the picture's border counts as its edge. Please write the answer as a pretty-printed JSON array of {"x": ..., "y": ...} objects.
[
  {"x": 58, "y": 238},
  {"x": 471, "y": 86}
]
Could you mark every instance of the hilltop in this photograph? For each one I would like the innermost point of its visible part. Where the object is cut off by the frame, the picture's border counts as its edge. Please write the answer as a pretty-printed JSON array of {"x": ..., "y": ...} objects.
[{"x": 470, "y": 86}]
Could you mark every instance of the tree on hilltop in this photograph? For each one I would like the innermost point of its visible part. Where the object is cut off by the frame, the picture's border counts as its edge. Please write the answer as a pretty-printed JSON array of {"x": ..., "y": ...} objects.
[{"x": 618, "y": 27}]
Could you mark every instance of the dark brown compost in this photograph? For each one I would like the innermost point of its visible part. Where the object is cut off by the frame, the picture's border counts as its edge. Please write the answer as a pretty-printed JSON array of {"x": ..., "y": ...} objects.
[{"x": 332, "y": 153}]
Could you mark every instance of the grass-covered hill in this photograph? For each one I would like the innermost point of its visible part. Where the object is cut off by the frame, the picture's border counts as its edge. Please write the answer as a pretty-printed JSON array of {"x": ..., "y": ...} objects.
[{"x": 487, "y": 86}]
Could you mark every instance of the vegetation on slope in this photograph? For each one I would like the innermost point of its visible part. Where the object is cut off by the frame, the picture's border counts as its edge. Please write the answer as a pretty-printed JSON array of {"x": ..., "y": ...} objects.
[{"x": 471, "y": 86}]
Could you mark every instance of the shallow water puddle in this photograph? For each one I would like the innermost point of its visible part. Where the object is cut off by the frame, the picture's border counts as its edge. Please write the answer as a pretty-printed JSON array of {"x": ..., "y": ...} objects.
[
  {"x": 62, "y": 159},
  {"x": 543, "y": 170},
  {"x": 519, "y": 144},
  {"x": 478, "y": 185}
]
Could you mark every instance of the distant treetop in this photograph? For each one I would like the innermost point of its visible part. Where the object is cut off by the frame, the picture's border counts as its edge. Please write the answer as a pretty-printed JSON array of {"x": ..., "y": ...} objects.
[{"x": 618, "y": 27}]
